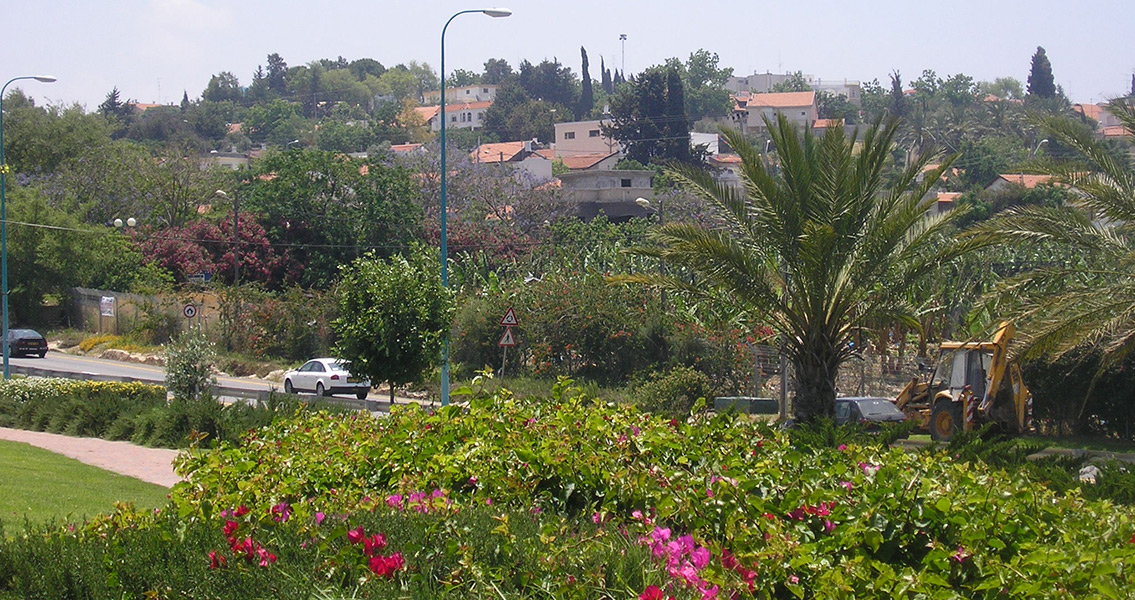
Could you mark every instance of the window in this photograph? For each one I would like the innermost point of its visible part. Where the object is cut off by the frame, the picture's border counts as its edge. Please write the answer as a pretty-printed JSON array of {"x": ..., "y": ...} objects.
[
  {"x": 569, "y": 135},
  {"x": 453, "y": 119},
  {"x": 478, "y": 116},
  {"x": 803, "y": 113},
  {"x": 625, "y": 183},
  {"x": 593, "y": 133},
  {"x": 467, "y": 92},
  {"x": 484, "y": 90}
]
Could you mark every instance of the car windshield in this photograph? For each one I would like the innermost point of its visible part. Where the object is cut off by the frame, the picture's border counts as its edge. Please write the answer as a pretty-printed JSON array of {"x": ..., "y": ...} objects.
[
  {"x": 23, "y": 333},
  {"x": 340, "y": 366},
  {"x": 877, "y": 407}
]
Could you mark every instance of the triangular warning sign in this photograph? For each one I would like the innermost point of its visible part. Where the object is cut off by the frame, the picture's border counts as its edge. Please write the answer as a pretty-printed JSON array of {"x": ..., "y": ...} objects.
[
  {"x": 509, "y": 319},
  {"x": 507, "y": 339}
]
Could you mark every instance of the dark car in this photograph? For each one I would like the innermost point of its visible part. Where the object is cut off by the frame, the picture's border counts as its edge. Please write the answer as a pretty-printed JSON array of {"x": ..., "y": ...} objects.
[
  {"x": 866, "y": 410},
  {"x": 26, "y": 342}
]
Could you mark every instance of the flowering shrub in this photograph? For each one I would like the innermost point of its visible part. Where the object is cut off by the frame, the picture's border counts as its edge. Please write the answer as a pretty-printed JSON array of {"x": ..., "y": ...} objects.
[{"x": 748, "y": 512}]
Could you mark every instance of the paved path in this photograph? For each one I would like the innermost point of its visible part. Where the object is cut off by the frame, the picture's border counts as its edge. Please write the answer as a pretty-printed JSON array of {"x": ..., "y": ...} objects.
[{"x": 154, "y": 465}]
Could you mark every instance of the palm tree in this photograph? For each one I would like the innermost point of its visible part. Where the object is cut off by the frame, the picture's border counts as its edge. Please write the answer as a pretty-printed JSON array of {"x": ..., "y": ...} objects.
[
  {"x": 817, "y": 246},
  {"x": 1090, "y": 303}
]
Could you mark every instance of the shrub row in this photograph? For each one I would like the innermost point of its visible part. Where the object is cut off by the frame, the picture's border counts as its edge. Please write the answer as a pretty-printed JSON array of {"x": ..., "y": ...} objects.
[{"x": 136, "y": 412}]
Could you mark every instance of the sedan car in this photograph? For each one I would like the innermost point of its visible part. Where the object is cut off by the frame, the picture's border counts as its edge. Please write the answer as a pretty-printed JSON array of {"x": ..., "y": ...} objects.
[
  {"x": 866, "y": 410},
  {"x": 324, "y": 377},
  {"x": 26, "y": 342}
]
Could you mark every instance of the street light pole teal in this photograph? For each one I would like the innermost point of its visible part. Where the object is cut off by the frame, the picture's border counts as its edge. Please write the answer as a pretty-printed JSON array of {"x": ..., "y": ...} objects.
[
  {"x": 4, "y": 218},
  {"x": 492, "y": 12}
]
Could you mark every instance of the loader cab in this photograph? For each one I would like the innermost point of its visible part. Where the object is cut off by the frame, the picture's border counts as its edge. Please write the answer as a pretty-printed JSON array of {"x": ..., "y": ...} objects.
[{"x": 959, "y": 367}]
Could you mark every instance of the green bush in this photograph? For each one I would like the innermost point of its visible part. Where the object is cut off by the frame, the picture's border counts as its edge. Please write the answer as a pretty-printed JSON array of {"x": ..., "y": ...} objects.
[
  {"x": 75, "y": 407},
  {"x": 673, "y": 392},
  {"x": 189, "y": 362}
]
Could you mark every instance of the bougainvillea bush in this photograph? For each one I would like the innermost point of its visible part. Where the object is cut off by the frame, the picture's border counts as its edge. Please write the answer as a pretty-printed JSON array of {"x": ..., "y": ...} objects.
[{"x": 726, "y": 506}]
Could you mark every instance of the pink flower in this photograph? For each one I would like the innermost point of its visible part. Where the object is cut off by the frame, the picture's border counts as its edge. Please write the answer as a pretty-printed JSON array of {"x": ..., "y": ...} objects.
[
  {"x": 709, "y": 492},
  {"x": 230, "y": 528},
  {"x": 700, "y": 557},
  {"x": 473, "y": 481},
  {"x": 793, "y": 579},
  {"x": 282, "y": 512},
  {"x": 394, "y": 501},
  {"x": 960, "y": 556},
  {"x": 373, "y": 543},
  {"x": 319, "y": 518},
  {"x": 216, "y": 561},
  {"x": 652, "y": 592},
  {"x": 387, "y": 566},
  {"x": 829, "y": 526},
  {"x": 241, "y": 510},
  {"x": 356, "y": 535},
  {"x": 266, "y": 557},
  {"x": 595, "y": 518},
  {"x": 842, "y": 447},
  {"x": 846, "y": 485},
  {"x": 710, "y": 593}
]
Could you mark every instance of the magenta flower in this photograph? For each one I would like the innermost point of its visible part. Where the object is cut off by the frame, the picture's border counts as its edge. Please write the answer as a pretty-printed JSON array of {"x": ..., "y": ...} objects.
[
  {"x": 960, "y": 556},
  {"x": 652, "y": 592},
  {"x": 394, "y": 501},
  {"x": 319, "y": 518},
  {"x": 793, "y": 579},
  {"x": 356, "y": 535},
  {"x": 829, "y": 526},
  {"x": 700, "y": 557},
  {"x": 282, "y": 512}
]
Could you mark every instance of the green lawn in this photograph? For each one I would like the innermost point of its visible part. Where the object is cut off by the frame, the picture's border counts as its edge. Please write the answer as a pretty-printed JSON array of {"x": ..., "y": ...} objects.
[{"x": 43, "y": 486}]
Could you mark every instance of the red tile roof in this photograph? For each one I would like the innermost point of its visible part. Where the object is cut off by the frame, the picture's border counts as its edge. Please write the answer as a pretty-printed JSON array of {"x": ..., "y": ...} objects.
[
  {"x": 1116, "y": 131},
  {"x": 778, "y": 100},
  {"x": 404, "y": 147},
  {"x": 1028, "y": 181},
  {"x": 496, "y": 153},
  {"x": 825, "y": 123},
  {"x": 580, "y": 162},
  {"x": 1092, "y": 111}
]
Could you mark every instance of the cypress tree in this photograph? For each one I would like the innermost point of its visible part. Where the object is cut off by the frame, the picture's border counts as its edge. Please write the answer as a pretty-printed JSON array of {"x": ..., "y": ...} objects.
[
  {"x": 587, "y": 95},
  {"x": 1041, "y": 82},
  {"x": 608, "y": 87}
]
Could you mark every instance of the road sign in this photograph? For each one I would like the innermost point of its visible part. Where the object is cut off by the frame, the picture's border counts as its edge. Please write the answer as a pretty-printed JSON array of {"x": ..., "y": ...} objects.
[
  {"x": 189, "y": 311},
  {"x": 507, "y": 339},
  {"x": 106, "y": 306},
  {"x": 509, "y": 319}
]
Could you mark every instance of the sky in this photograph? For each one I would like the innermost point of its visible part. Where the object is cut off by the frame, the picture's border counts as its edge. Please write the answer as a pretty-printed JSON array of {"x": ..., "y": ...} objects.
[{"x": 154, "y": 50}]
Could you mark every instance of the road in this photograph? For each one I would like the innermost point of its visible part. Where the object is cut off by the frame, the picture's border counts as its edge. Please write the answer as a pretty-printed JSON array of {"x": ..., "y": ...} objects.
[{"x": 60, "y": 364}]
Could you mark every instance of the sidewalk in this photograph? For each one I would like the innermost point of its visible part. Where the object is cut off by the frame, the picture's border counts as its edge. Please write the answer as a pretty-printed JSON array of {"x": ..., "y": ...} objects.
[{"x": 153, "y": 465}]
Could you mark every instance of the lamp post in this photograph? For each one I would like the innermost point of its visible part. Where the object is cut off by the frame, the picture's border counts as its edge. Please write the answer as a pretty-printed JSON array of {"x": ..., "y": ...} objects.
[
  {"x": 495, "y": 13},
  {"x": 1038, "y": 145},
  {"x": 4, "y": 218}
]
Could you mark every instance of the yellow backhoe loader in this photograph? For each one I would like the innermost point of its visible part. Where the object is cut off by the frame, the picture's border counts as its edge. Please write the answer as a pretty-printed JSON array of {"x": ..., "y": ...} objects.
[{"x": 974, "y": 383}]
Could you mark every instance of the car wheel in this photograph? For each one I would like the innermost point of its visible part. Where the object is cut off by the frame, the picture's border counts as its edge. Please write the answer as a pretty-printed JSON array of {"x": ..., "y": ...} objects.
[
  {"x": 319, "y": 391},
  {"x": 362, "y": 394},
  {"x": 288, "y": 389},
  {"x": 43, "y": 354},
  {"x": 945, "y": 420}
]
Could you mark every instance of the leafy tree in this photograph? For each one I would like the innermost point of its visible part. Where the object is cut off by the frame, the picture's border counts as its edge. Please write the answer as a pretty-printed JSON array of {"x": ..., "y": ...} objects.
[
  {"x": 336, "y": 135},
  {"x": 1006, "y": 88},
  {"x": 165, "y": 125},
  {"x": 326, "y": 210},
  {"x": 394, "y": 315},
  {"x": 819, "y": 249},
  {"x": 277, "y": 122},
  {"x": 366, "y": 67},
  {"x": 549, "y": 81},
  {"x": 277, "y": 75},
  {"x": 1062, "y": 308},
  {"x": 39, "y": 139},
  {"x": 1041, "y": 82},
  {"x": 835, "y": 106},
  {"x": 586, "y": 95},
  {"x": 705, "y": 91},
  {"x": 498, "y": 117},
  {"x": 648, "y": 117},
  {"x": 795, "y": 82},
  {"x": 114, "y": 108},
  {"x": 222, "y": 87},
  {"x": 497, "y": 70},
  {"x": 399, "y": 84},
  {"x": 462, "y": 78}
]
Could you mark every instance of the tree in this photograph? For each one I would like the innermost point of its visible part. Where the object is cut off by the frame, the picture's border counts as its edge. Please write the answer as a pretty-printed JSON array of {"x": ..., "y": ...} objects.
[
  {"x": 394, "y": 316},
  {"x": 549, "y": 81},
  {"x": 462, "y": 78},
  {"x": 795, "y": 82},
  {"x": 325, "y": 209},
  {"x": 705, "y": 91},
  {"x": 1041, "y": 82},
  {"x": 605, "y": 81},
  {"x": 277, "y": 76},
  {"x": 1005, "y": 88},
  {"x": 38, "y": 139},
  {"x": 1061, "y": 309},
  {"x": 897, "y": 107},
  {"x": 189, "y": 362},
  {"x": 364, "y": 67},
  {"x": 114, "y": 108},
  {"x": 819, "y": 249},
  {"x": 648, "y": 117},
  {"x": 223, "y": 86},
  {"x": 497, "y": 70},
  {"x": 586, "y": 95}
]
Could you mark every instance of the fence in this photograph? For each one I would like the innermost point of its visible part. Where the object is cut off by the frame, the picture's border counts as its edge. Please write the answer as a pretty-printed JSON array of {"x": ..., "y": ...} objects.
[{"x": 105, "y": 311}]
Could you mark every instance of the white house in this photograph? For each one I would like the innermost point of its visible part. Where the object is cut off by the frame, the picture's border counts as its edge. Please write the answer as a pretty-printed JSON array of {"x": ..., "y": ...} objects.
[
  {"x": 466, "y": 93},
  {"x": 461, "y": 115},
  {"x": 751, "y": 109}
]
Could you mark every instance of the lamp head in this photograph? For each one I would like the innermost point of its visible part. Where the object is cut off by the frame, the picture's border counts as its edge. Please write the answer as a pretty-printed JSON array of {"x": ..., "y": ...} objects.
[
  {"x": 497, "y": 12},
  {"x": 643, "y": 202},
  {"x": 45, "y": 78}
]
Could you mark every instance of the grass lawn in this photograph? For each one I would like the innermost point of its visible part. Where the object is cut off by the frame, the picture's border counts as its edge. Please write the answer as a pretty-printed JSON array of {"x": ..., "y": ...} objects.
[{"x": 43, "y": 486}]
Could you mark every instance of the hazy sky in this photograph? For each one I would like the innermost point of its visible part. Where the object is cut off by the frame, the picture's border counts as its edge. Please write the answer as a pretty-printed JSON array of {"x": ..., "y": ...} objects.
[{"x": 153, "y": 50}]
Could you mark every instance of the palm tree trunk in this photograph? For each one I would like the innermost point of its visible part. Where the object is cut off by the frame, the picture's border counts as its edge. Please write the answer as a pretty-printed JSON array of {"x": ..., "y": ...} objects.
[{"x": 816, "y": 370}]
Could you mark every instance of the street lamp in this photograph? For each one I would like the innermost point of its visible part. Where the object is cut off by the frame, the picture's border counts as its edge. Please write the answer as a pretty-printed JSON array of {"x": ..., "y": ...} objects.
[
  {"x": 118, "y": 223},
  {"x": 4, "y": 217},
  {"x": 1039, "y": 144},
  {"x": 288, "y": 146},
  {"x": 495, "y": 13}
]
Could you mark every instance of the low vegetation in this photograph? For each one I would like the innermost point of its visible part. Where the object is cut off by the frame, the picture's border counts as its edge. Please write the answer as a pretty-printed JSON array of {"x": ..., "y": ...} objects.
[{"x": 568, "y": 497}]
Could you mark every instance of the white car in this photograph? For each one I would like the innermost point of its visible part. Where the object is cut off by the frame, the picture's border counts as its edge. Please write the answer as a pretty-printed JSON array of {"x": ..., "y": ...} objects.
[{"x": 324, "y": 377}]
